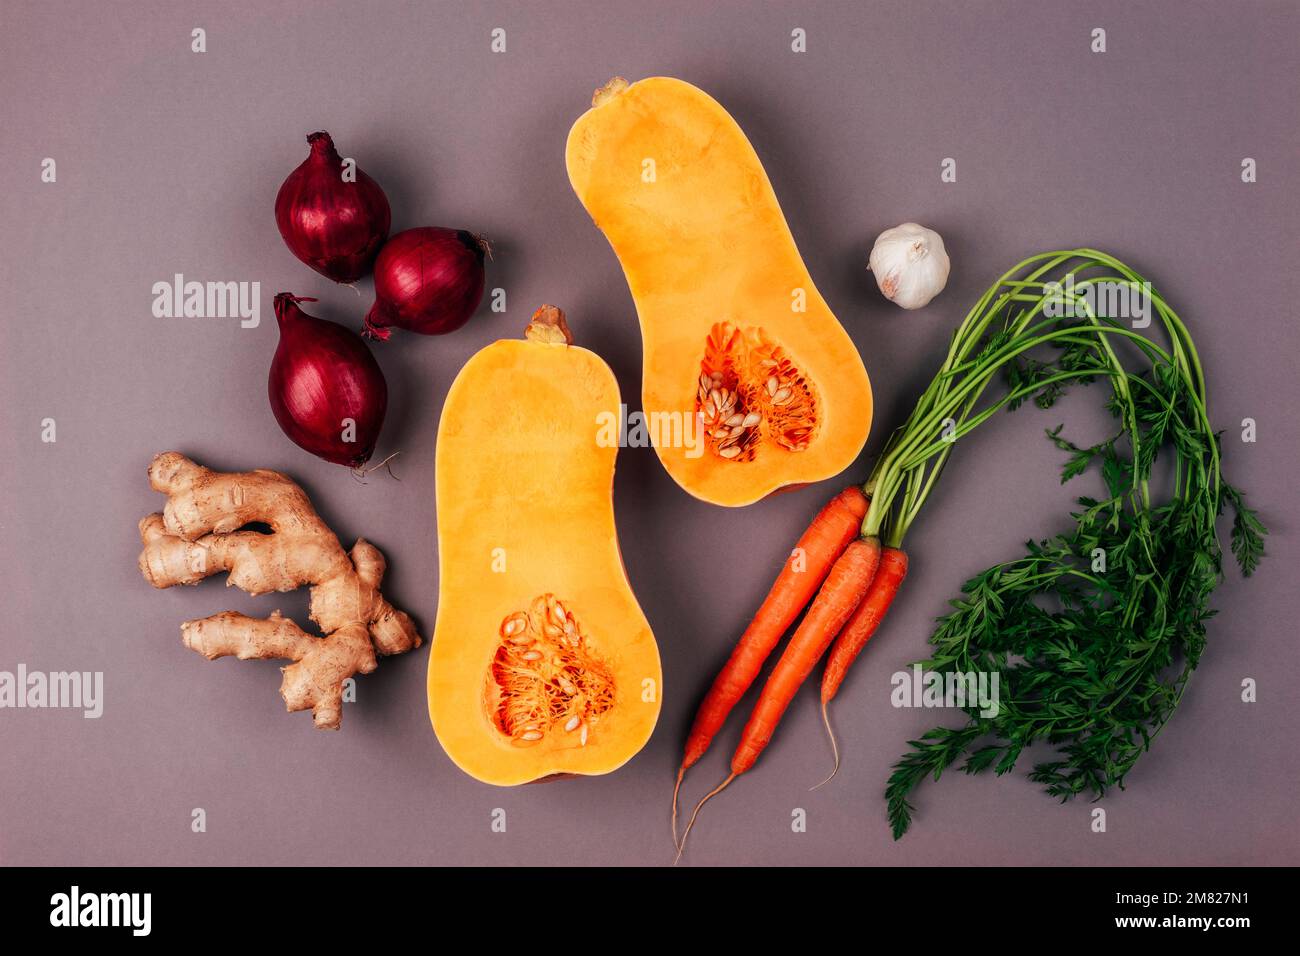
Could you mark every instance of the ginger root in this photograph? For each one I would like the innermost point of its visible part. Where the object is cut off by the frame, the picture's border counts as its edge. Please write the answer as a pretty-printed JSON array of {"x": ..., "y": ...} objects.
[{"x": 198, "y": 534}]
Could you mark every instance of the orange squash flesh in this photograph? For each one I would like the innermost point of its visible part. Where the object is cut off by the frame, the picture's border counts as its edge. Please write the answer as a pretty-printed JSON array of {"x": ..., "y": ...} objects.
[
  {"x": 529, "y": 564},
  {"x": 678, "y": 190}
]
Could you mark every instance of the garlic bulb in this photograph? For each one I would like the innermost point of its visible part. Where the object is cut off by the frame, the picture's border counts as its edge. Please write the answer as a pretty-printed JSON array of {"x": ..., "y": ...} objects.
[{"x": 910, "y": 264}]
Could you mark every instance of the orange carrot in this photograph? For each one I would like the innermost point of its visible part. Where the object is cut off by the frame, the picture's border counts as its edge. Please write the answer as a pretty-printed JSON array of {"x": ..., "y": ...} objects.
[
  {"x": 844, "y": 589},
  {"x": 826, "y": 538},
  {"x": 835, "y": 526},
  {"x": 856, "y": 633}
]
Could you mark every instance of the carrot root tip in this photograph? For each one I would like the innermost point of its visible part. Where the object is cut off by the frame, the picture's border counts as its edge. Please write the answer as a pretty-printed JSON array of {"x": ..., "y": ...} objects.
[
  {"x": 681, "y": 847},
  {"x": 676, "y": 789},
  {"x": 835, "y": 748}
]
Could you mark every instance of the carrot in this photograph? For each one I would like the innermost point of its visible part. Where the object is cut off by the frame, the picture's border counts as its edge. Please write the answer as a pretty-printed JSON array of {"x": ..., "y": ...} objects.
[
  {"x": 845, "y": 588},
  {"x": 835, "y": 526},
  {"x": 856, "y": 633}
]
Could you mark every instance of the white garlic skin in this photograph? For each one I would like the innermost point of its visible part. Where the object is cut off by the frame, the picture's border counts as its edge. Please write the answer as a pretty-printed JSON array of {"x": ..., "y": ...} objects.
[{"x": 910, "y": 265}]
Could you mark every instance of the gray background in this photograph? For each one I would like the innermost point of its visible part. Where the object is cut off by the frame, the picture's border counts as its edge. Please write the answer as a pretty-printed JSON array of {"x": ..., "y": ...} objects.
[{"x": 169, "y": 162}]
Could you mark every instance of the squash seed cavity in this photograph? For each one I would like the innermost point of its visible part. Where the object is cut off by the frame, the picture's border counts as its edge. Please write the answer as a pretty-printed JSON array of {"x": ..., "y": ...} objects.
[
  {"x": 749, "y": 391},
  {"x": 544, "y": 679}
]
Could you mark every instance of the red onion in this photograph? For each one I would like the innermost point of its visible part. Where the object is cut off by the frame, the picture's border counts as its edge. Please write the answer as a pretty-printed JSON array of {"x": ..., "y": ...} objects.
[
  {"x": 335, "y": 227},
  {"x": 427, "y": 280},
  {"x": 323, "y": 377}
]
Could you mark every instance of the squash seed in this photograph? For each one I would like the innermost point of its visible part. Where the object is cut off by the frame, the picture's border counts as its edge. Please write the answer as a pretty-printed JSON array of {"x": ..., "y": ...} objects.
[
  {"x": 552, "y": 682},
  {"x": 752, "y": 384}
]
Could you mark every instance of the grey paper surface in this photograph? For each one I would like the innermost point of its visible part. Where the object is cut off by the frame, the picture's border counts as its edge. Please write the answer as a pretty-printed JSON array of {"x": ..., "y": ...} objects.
[{"x": 168, "y": 161}]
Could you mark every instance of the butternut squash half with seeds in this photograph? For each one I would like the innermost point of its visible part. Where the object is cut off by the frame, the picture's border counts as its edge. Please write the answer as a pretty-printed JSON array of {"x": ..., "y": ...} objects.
[
  {"x": 735, "y": 335},
  {"x": 542, "y": 661}
]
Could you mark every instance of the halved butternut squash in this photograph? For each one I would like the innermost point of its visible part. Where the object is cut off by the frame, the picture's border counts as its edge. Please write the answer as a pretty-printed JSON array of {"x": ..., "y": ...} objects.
[
  {"x": 735, "y": 335},
  {"x": 542, "y": 662}
]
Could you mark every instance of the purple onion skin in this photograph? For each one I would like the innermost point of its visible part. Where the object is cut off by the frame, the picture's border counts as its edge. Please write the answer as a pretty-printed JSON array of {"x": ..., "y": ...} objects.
[
  {"x": 335, "y": 227},
  {"x": 321, "y": 375},
  {"x": 428, "y": 280}
]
